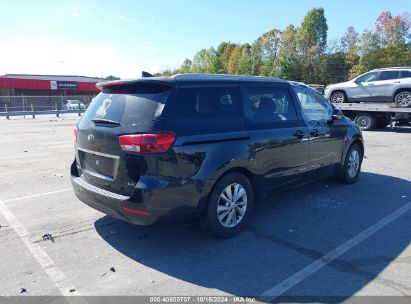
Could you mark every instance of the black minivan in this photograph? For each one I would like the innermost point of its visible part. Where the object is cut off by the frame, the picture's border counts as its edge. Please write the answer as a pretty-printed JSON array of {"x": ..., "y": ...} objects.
[{"x": 205, "y": 147}]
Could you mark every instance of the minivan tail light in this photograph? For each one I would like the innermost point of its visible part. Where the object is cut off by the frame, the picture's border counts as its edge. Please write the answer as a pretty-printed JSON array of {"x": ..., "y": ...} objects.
[
  {"x": 146, "y": 143},
  {"x": 75, "y": 133}
]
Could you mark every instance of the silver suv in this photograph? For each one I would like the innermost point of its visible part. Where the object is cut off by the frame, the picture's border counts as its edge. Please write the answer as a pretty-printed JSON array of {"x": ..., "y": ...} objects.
[{"x": 387, "y": 85}]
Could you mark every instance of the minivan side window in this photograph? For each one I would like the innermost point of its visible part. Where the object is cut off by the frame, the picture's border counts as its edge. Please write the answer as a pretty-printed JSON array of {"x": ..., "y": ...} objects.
[
  {"x": 269, "y": 104},
  {"x": 315, "y": 107},
  {"x": 389, "y": 75},
  {"x": 207, "y": 102}
]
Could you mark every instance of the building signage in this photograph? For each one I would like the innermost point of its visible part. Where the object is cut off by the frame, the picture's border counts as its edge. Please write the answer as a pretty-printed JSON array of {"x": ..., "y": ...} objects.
[
  {"x": 67, "y": 85},
  {"x": 63, "y": 85},
  {"x": 53, "y": 85}
]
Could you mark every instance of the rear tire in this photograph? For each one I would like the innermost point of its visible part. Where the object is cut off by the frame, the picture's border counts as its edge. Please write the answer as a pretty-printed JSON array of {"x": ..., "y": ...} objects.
[
  {"x": 352, "y": 165},
  {"x": 403, "y": 99},
  {"x": 338, "y": 97},
  {"x": 366, "y": 121},
  {"x": 229, "y": 205}
]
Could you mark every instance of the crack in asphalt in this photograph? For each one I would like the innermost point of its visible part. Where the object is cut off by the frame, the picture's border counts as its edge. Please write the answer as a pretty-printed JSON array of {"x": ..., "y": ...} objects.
[{"x": 81, "y": 229}]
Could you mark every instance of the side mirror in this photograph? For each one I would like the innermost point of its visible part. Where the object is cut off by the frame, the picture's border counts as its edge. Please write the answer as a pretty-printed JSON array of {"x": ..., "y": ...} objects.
[{"x": 337, "y": 115}]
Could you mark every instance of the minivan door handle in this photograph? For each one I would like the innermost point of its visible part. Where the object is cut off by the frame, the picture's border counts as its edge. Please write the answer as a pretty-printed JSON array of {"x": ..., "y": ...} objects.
[{"x": 299, "y": 134}]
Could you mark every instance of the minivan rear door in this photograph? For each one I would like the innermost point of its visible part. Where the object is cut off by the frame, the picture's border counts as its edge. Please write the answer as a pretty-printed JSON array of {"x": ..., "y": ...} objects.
[
  {"x": 279, "y": 135},
  {"x": 121, "y": 109}
]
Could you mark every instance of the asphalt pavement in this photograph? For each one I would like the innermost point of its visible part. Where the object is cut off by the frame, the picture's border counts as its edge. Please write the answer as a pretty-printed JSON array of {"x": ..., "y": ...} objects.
[{"x": 324, "y": 239}]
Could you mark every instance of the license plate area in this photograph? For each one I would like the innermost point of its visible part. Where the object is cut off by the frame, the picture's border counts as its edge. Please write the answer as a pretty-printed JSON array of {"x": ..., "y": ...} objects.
[{"x": 98, "y": 164}]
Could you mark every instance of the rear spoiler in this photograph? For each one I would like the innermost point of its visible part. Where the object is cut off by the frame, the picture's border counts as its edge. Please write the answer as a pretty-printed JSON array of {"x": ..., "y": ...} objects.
[
  {"x": 137, "y": 85},
  {"x": 145, "y": 74},
  {"x": 101, "y": 85}
]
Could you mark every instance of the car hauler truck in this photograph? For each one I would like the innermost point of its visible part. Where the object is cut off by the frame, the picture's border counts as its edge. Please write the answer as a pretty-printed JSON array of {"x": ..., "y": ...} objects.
[{"x": 369, "y": 116}]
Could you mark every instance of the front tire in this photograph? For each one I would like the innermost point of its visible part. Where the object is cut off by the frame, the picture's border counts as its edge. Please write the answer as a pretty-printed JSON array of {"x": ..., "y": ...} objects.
[
  {"x": 229, "y": 205},
  {"x": 403, "y": 99},
  {"x": 352, "y": 165},
  {"x": 338, "y": 97}
]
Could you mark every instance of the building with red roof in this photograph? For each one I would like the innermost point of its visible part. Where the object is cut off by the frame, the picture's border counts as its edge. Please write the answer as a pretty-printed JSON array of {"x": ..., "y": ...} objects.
[{"x": 47, "y": 85}]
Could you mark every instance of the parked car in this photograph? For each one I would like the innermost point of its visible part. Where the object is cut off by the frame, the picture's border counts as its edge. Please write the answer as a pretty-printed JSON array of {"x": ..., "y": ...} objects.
[
  {"x": 380, "y": 85},
  {"x": 204, "y": 147},
  {"x": 72, "y": 104}
]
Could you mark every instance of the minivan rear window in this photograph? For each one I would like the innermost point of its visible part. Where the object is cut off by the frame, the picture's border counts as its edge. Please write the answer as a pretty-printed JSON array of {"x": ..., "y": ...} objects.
[{"x": 129, "y": 106}]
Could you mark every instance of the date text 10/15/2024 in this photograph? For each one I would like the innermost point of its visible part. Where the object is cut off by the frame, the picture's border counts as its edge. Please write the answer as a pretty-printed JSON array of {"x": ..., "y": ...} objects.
[{"x": 201, "y": 299}]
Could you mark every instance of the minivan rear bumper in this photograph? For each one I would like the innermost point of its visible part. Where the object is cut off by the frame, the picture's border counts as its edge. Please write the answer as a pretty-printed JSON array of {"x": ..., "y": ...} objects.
[{"x": 141, "y": 208}]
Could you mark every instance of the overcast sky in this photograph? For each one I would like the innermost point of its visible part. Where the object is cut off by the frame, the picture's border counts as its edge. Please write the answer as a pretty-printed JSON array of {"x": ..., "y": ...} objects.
[{"x": 124, "y": 37}]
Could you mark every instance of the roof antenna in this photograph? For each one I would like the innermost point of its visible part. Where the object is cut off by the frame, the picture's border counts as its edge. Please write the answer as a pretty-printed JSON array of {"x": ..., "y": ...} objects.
[{"x": 146, "y": 74}]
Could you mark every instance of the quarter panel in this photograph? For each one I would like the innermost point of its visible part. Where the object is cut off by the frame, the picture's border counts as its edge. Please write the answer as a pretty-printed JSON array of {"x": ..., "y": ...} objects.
[{"x": 353, "y": 133}]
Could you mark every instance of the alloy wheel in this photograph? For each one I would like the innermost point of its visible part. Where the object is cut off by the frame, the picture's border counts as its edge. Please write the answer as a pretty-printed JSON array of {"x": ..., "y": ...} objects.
[
  {"x": 232, "y": 205},
  {"x": 404, "y": 99},
  {"x": 338, "y": 98},
  {"x": 353, "y": 163}
]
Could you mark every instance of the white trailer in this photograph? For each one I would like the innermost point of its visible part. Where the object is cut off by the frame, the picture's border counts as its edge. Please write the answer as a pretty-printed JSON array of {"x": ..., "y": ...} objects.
[{"x": 369, "y": 115}]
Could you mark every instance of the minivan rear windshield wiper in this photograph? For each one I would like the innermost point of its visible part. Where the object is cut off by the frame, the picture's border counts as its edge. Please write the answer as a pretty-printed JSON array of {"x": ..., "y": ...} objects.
[{"x": 105, "y": 121}]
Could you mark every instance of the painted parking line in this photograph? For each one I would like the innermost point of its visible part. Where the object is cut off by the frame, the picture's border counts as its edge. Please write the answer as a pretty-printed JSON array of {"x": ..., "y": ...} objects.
[
  {"x": 55, "y": 274},
  {"x": 36, "y": 195},
  {"x": 296, "y": 278}
]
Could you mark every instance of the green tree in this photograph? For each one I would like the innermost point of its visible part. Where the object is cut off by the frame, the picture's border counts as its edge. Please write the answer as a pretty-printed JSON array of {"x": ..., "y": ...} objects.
[
  {"x": 221, "y": 47},
  {"x": 235, "y": 56},
  {"x": 388, "y": 45},
  {"x": 167, "y": 72},
  {"x": 211, "y": 61},
  {"x": 111, "y": 77},
  {"x": 302, "y": 53},
  {"x": 329, "y": 68},
  {"x": 311, "y": 41},
  {"x": 225, "y": 56},
  {"x": 270, "y": 42},
  {"x": 244, "y": 64},
  {"x": 394, "y": 36},
  {"x": 256, "y": 57},
  {"x": 369, "y": 51},
  {"x": 186, "y": 66},
  {"x": 289, "y": 61},
  {"x": 313, "y": 31},
  {"x": 290, "y": 67},
  {"x": 198, "y": 65},
  {"x": 268, "y": 46}
]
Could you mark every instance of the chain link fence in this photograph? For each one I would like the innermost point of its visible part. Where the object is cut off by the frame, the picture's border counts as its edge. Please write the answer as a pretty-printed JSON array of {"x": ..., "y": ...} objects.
[
  {"x": 43, "y": 103},
  {"x": 30, "y": 105}
]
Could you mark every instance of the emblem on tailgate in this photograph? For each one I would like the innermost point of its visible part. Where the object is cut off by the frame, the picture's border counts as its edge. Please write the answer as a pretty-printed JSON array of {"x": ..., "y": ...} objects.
[{"x": 90, "y": 138}]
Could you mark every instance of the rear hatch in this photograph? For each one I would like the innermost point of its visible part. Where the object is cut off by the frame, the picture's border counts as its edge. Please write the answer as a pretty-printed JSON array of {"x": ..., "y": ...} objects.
[{"x": 120, "y": 109}]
